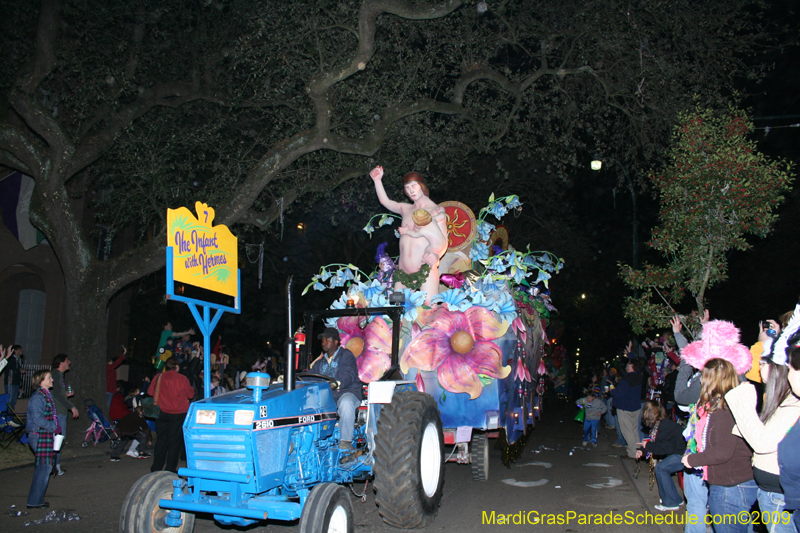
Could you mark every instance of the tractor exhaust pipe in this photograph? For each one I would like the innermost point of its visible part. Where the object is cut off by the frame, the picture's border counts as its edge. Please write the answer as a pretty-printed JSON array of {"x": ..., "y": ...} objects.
[{"x": 288, "y": 378}]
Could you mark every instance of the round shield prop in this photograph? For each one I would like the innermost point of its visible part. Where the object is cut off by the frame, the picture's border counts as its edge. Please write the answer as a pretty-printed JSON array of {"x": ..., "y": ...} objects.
[{"x": 461, "y": 225}]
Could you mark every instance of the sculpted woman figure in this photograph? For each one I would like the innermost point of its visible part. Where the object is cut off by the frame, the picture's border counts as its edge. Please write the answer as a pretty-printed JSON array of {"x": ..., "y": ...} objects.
[{"x": 419, "y": 243}]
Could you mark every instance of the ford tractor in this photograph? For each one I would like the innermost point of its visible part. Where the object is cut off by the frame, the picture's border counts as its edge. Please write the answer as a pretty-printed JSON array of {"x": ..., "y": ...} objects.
[{"x": 270, "y": 453}]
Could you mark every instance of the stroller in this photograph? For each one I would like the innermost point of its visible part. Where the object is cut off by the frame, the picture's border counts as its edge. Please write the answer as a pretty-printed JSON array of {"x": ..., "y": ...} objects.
[{"x": 100, "y": 430}]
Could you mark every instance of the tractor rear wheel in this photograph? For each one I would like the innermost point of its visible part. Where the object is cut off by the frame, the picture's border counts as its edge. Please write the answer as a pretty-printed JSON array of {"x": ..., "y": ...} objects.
[
  {"x": 409, "y": 460},
  {"x": 328, "y": 509},
  {"x": 479, "y": 457}
]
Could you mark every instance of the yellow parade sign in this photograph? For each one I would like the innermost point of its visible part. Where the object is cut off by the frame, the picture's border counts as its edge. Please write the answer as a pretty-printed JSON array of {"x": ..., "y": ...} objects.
[{"x": 203, "y": 255}]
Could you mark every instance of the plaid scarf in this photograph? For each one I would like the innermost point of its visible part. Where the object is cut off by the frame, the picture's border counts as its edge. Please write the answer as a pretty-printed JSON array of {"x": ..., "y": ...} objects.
[{"x": 44, "y": 443}]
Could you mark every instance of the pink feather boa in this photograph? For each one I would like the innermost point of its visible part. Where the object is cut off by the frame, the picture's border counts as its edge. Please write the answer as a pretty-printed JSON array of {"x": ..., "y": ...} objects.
[{"x": 720, "y": 341}]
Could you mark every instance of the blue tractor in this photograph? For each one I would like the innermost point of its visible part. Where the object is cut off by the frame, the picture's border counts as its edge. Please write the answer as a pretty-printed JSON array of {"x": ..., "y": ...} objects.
[{"x": 270, "y": 452}]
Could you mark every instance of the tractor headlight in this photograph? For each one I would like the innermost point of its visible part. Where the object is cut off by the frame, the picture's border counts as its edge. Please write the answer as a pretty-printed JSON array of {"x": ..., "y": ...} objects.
[
  {"x": 242, "y": 417},
  {"x": 205, "y": 416}
]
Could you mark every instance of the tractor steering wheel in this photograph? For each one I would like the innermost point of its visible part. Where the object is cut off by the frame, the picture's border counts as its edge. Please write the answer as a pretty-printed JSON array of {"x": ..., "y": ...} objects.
[{"x": 333, "y": 382}]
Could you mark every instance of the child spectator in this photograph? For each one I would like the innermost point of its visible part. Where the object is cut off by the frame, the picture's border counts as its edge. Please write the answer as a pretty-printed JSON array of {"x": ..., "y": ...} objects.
[
  {"x": 132, "y": 400},
  {"x": 594, "y": 409},
  {"x": 666, "y": 441}
]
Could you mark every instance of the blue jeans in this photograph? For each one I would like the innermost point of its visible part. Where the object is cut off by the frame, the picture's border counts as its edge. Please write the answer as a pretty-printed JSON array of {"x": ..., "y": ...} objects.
[
  {"x": 666, "y": 487},
  {"x": 347, "y": 405},
  {"x": 696, "y": 492},
  {"x": 773, "y": 516},
  {"x": 41, "y": 477},
  {"x": 13, "y": 395},
  {"x": 642, "y": 433},
  {"x": 609, "y": 417},
  {"x": 727, "y": 502},
  {"x": 590, "y": 430}
]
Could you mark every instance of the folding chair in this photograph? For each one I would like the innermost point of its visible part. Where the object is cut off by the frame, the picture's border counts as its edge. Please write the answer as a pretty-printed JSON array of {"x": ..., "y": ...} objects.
[{"x": 12, "y": 427}]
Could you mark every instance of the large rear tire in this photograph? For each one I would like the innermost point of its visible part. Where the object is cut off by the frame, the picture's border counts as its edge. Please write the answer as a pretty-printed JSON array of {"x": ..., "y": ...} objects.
[
  {"x": 141, "y": 513},
  {"x": 479, "y": 457},
  {"x": 409, "y": 461},
  {"x": 327, "y": 510}
]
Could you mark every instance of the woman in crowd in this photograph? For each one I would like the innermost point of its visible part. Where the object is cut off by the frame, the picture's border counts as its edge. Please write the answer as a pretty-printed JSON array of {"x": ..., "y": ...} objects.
[
  {"x": 41, "y": 428},
  {"x": 667, "y": 443},
  {"x": 763, "y": 433},
  {"x": 724, "y": 457},
  {"x": 172, "y": 392}
]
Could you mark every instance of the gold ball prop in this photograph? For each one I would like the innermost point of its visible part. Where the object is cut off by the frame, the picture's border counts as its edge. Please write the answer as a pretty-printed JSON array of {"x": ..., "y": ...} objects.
[{"x": 461, "y": 342}]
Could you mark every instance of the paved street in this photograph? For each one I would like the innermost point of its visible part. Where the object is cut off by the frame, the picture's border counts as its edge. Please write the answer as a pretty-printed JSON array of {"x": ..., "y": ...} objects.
[{"x": 550, "y": 481}]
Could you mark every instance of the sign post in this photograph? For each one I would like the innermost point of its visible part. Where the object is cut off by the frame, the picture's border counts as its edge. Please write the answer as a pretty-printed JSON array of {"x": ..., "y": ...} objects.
[{"x": 203, "y": 258}]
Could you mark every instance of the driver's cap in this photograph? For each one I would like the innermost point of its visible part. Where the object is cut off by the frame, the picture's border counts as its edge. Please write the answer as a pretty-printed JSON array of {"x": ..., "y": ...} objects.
[{"x": 330, "y": 333}]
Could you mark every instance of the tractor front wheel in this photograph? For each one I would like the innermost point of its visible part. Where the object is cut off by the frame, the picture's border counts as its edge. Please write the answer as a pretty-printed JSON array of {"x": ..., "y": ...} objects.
[
  {"x": 141, "y": 512},
  {"x": 409, "y": 460},
  {"x": 328, "y": 509}
]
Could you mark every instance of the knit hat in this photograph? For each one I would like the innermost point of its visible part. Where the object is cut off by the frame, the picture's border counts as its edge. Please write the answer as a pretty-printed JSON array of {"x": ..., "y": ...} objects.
[{"x": 720, "y": 340}]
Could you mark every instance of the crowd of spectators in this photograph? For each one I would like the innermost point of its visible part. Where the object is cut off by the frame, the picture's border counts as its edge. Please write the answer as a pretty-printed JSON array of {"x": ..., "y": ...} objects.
[{"x": 724, "y": 418}]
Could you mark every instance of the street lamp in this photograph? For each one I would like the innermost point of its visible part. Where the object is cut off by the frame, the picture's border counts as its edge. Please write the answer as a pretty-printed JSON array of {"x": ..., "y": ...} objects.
[{"x": 597, "y": 164}]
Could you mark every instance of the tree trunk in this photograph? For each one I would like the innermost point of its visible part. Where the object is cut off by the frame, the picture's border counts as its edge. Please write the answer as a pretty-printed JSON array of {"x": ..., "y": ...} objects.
[{"x": 86, "y": 348}]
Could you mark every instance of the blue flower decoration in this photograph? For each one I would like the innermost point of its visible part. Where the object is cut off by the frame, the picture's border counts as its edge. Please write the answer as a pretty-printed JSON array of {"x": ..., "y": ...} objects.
[
  {"x": 481, "y": 300},
  {"x": 413, "y": 300},
  {"x": 319, "y": 286},
  {"x": 375, "y": 287},
  {"x": 497, "y": 209},
  {"x": 517, "y": 274},
  {"x": 512, "y": 202},
  {"x": 385, "y": 220},
  {"x": 479, "y": 252},
  {"x": 455, "y": 299},
  {"x": 341, "y": 302},
  {"x": 505, "y": 307},
  {"x": 379, "y": 300},
  {"x": 369, "y": 229},
  {"x": 497, "y": 264},
  {"x": 484, "y": 230},
  {"x": 543, "y": 276},
  {"x": 337, "y": 280},
  {"x": 489, "y": 285},
  {"x": 324, "y": 275}
]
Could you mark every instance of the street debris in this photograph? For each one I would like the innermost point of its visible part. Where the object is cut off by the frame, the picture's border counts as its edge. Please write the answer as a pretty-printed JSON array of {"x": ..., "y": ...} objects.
[
  {"x": 54, "y": 516},
  {"x": 525, "y": 484}
]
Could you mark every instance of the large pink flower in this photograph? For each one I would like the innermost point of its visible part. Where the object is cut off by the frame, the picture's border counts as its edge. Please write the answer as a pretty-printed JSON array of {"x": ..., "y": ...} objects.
[
  {"x": 372, "y": 345},
  {"x": 459, "y": 347}
]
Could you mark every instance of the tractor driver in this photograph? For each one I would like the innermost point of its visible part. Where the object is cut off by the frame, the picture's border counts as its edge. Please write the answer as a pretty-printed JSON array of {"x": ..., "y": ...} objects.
[{"x": 340, "y": 364}]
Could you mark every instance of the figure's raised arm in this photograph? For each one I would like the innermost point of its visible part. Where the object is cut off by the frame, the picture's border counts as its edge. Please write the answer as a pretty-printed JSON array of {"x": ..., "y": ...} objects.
[{"x": 377, "y": 176}]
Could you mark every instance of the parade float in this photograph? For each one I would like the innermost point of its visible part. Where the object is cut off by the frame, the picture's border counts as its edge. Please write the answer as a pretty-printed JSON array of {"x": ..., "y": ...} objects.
[{"x": 477, "y": 348}]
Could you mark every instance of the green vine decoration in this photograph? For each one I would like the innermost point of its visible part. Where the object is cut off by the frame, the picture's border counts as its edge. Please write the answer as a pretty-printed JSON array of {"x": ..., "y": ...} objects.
[{"x": 412, "y": 281}]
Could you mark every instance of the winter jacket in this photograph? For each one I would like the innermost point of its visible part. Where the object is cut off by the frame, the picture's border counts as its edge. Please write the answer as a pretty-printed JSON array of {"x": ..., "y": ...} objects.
[
  {"x": 594, "y": 409},
  {"x": 627, "y": 395},
  {"x": 342, "y": 368},
  {"x": 174, "y": 393},
  {"x": 669, "y": 439},
  {"x": 727, "y": 456}
]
